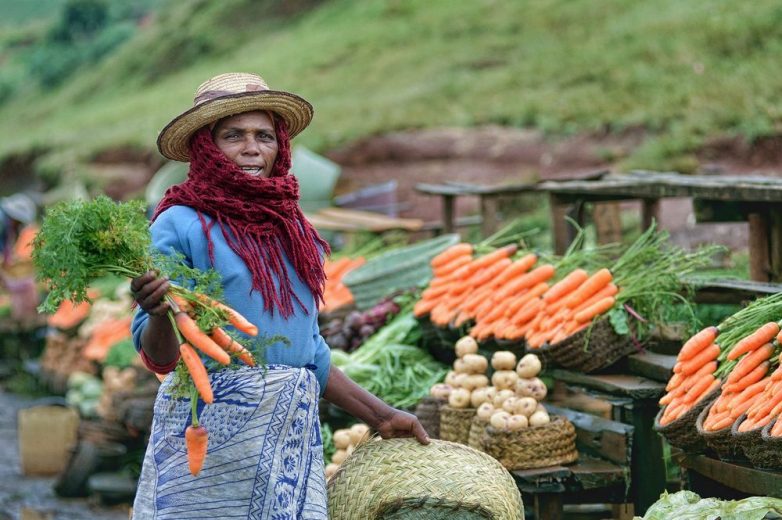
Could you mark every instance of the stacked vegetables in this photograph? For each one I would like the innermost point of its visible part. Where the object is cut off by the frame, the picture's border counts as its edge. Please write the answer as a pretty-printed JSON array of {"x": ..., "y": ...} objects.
[
  {"x": 345, "y": 441},
  {"x": 512, "y": 402},
  {"x": 82, "y": 241},
  {"x": 335, "y": 293}
]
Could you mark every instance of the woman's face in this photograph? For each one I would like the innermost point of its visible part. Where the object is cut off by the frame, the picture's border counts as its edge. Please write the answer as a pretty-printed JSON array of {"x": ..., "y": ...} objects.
[{"x": 249, "y": 140}]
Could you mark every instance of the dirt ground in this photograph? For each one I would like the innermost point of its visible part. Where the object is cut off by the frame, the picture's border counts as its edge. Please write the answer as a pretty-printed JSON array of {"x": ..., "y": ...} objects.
[{"x": 33, "y": 498}]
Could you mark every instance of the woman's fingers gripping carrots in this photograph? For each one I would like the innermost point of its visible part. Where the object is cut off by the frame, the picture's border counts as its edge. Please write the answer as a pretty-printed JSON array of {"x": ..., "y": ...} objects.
[
  {"x": 760, "y": 337},
  {"x": 199, "y": 339},
  {"x": 698, "y": 342},
  {"x": 196, "y": 442},
  {"x": 197, "y": 372}
]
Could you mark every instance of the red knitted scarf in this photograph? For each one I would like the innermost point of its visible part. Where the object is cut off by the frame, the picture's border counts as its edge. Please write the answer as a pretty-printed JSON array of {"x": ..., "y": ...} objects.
[{"x": 260, "y": 218}]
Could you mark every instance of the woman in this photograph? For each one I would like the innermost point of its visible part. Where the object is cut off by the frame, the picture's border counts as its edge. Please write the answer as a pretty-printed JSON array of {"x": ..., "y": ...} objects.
[{"x": 238, "y": 213}]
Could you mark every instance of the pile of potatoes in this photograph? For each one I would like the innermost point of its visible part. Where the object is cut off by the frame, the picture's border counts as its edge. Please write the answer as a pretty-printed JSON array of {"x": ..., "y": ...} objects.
[
  {"x": 511, "y": 402},
  {"x": 345, "y": 441}
]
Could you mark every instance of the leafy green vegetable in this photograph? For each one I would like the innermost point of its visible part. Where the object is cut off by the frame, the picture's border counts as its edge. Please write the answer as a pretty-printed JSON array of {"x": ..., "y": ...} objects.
[
  {"x": 686, "y": 505},
  {"x": 618, "y": 319},
  {"x": 122, "y": 354}
]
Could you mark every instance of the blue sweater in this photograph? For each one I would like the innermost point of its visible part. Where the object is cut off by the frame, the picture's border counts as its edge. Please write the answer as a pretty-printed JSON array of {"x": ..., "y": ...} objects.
[{"x": 179, "y": 229}]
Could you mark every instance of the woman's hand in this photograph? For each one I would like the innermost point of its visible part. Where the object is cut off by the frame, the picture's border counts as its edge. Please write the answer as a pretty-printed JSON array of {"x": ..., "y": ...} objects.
[
  {"x": 148, "y": 290},
  {"x": 401, "y": 424}
]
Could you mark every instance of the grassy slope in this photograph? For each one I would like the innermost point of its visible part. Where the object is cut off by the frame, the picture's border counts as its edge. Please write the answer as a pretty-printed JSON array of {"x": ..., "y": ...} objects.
[{"x": 682, "y": 70}]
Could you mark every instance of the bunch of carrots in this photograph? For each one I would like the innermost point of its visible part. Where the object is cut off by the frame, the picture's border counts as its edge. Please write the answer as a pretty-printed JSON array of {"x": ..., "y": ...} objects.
[{"x": 335, "y": 293}]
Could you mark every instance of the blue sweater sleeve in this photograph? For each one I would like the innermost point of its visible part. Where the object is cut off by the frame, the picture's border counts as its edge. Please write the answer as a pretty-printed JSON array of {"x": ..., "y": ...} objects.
[{"x": 322, "y": 358}]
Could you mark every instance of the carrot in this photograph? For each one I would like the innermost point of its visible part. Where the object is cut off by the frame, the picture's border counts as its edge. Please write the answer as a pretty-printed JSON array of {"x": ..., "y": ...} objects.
[
  {"x": 742, "y": 406},
  {"x": 229, "y": 344},
  {"x": 196, "y": 441},
  {"x": 608, "y": 290},
  {"x": 698, "y": 342},
  {"x": 422, "y": 307},
  {"x": 197, "y": 372},
  {"x": 450, "y": 253},
  {"x": 517, "y": 268},
  {"x": 722, "y": 423},
  {"x": 693, "y": 365},
  {"x": 199, "y": 339},
  {"x": 565, "y": 286},
  {"x": 433, "y": 293},
  {"x": 525, "y": 281},
  {"x": 528, "y": 312},
  {"x": 745, "y": 394},
  {"x": 594, "y": 283},
  {"x": 234, "y": 317},
  {"x": 595, "y": 310},
  {"x": 497, "y": 254},
  {"x": 706, "y": 384},
  {"x": 758, "y": 373},
  {"x": 489, "y": 273},
  {"x": 452, "y": 266},
  {"x": 776, "y": 430},
  {"x": 521, "y": 300},
  {"x": 755, "y": 340},
  {"x": 675, "y": 380},
  {"x": 749, "y": 362}
]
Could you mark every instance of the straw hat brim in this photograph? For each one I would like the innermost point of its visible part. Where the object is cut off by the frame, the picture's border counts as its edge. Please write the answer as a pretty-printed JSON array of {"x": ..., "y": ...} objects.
[{"x": 173, "y": 141}]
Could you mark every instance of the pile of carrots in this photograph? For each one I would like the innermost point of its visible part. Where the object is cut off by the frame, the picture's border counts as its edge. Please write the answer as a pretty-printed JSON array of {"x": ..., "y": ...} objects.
[
  {"x": 335, "y": 293},
  {"x": 512, "y": 299},
  {"x": 186, "y": 307}
]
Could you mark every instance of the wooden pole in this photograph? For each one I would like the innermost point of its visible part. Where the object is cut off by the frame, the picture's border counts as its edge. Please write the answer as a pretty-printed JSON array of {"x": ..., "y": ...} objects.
[{"x": 759, "y": 264}]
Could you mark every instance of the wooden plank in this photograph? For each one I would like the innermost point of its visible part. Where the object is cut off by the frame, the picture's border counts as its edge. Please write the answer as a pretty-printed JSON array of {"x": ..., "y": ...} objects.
[
  {"x": 759, "y": 264},
  {"x": 579, "y": 399},
  {"x": 597, "y": 436},
  {"x": 743, "y": 478},
  {"x": 632, "y": 386},
  {"x": 541, "y": 475},
  {"x": 658, "y": 367},
  {"x": 730, "y": 290},
  {"x": 369, "y": 220},
  {"x": 593, "y": 473}
]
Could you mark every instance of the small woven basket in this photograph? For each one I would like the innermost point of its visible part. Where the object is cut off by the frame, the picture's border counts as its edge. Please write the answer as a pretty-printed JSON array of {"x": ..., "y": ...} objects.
[
  {"x": 534, "y": 447},
  {"x": 771, "y": 456},
  {"x": 455, "y": 423},
  {"x": 682, "y": 432},
  {"x": 751, "y": 444},
  {"x": 401, "y": 479},
  {"x": 428, "y": 413},
  {"x": 477, "y": 426},
  {"x": 604, "y": 348},
  {"x": 720, "y": 441}
]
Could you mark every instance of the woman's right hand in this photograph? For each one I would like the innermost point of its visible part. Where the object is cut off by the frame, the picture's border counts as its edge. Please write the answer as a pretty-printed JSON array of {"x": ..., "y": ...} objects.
[{"x": 148, "y": 290}]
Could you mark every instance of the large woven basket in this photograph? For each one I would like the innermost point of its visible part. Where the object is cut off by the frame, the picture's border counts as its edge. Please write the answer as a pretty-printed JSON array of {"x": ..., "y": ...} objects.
[
  {"x": 401, "y": 479},
  {"x": 682, "y": 432},
  {"x": 455, "y": 423},
  {"x": 591, "y": 349},
  {"x": 752, "y": 444},
  {"x": 477, "y": 426},
  {"x": 720, "y": 441},
  {"x": 534, "y": 447},
  {"x": 771, "y": 455},
  {"x": 428, "y": 413}
]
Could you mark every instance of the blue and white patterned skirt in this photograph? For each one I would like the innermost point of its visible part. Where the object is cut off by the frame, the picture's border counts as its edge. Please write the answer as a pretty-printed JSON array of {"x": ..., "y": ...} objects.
[{"x": 265, "y": 454}]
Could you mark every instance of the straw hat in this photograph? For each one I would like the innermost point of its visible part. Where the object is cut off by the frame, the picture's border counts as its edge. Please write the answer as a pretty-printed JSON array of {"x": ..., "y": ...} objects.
[{"x": 225, "y": 95}]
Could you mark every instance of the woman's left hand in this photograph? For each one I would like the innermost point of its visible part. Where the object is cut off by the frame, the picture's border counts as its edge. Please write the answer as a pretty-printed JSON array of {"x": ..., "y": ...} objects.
[{"x": 401, "y": 424}]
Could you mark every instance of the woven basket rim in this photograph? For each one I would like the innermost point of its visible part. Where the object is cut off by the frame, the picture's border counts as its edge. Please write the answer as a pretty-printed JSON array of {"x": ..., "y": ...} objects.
[{"x": 702, "y": 418}]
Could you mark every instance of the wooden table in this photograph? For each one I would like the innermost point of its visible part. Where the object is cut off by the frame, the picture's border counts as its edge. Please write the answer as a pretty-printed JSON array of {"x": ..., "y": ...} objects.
[{"x": 752, "y": 199}]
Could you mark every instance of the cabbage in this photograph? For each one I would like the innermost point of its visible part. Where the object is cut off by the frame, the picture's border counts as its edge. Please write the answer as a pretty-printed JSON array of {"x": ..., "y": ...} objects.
[{"x": 686, "y": 505}]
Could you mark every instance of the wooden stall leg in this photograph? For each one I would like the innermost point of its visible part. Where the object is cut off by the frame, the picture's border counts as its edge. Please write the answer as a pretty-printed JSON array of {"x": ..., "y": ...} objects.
[
  {"x": 449, "y": 214},
  {"x": 775, "y": 246},
  {"x": 650, "y": 212},
  {"x": 759, "y": 264},
  {"x": 647, "y": 466},
  {"x": 622, "y": 511},
  {"x": 608, "y": 222},
  {"x": 560, "y": 229},
  {"x": 489, "y": 219},
  {"x": 548, "y": 506}
]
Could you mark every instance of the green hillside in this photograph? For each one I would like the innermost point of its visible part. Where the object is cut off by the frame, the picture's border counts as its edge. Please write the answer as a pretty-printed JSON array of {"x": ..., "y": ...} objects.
[{"x": 680, "y": 71}]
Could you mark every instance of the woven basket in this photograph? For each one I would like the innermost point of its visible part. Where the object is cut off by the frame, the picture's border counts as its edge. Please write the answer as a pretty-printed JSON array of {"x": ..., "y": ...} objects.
[
  {"x": 682, "y": 432},
  {"x": 428, "y": 413},
  {"x": 401, "y": 479},
  {"x": 534, "y": 447},
  {"x": 720, "y": 441},
  {"x": 771, "y": 456},
  {"x": 604, "y": 348},
  {"x": 477, "y": 426},
  {"x": 455, "y": 423},
  {"x": 751, "y": 444}
]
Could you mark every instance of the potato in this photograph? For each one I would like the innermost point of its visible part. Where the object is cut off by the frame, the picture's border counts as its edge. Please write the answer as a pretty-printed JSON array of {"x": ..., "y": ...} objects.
[
  {"x": 529, "y": 366},
  {"x": 517, "y": 422},
  {"x": 510, "y": 404},
  {"x": 485, "y": 411},
  {"x": 499, "y": 420},
  {"x": 473, "y": 381},
  {"x": 539, "y": 419},
  {"x": 525, "y": 406},
  {"x": 358, "y": 433},
  {"x": 541, "y": 408},
  {"x": 440, "y": 391},
  {"x": 331, "y": 468},
  {"x": 459, "y": 398},
  {"x": 479, "y": 396},
  {"x": 475, "y": 363},
  {"x": 501, "y": 396},
  {"x": 449, "y": 377},
  {"x": 503, "y": 360},
  {"x": 491, "y": 393},
  {"x": 539, "y": 389},
  {"x": 342, "y": 439},
  {"x": 503, "y": 379},
  {"x": 460, "y": 380},
  {"x": 339, "y": 456},
  {"x": 533, "y": 387},
  {"x": 466, "y": 345},
  {"x": 460, "y": 367}
]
